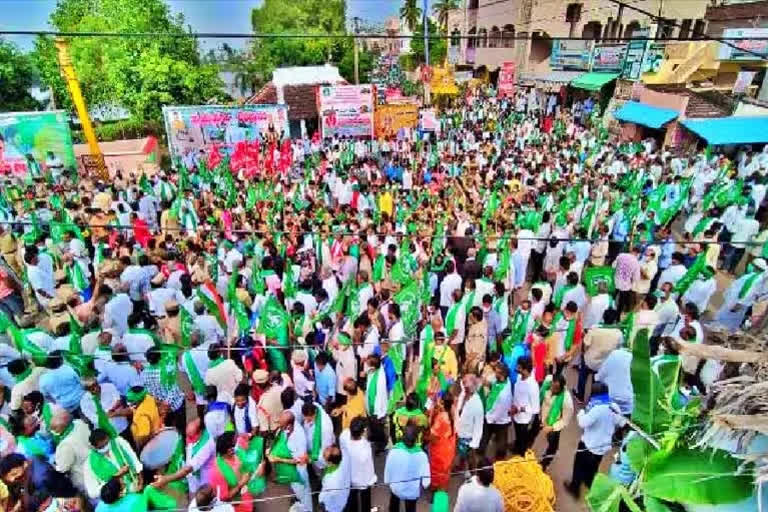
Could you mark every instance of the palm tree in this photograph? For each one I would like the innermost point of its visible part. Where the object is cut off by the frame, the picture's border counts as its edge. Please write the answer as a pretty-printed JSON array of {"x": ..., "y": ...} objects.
[
  {"x": 410, "y": 12},
  {"x": 442, "y": 8}
]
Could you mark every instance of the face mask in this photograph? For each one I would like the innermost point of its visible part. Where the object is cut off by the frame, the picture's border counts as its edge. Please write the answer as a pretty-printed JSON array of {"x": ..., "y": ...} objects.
[{"x": 104, "y": 449}]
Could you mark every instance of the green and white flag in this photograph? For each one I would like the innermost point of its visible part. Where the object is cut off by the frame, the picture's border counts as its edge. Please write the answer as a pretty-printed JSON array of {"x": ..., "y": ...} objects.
[
  {"x": 77, "y": 277},
  {"x": 409, "y": 299},
  {"x": 274, "y": 321}
]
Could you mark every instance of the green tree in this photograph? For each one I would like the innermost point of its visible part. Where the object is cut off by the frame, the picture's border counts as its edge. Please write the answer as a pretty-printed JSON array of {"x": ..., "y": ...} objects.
[
  {"x": 303, "y": 17},
  {"x": 365, "y": 65},
  {"x": 410, "y": 12},
  {"x": 17, "y": 74},
  {"x": 139, "y": 73},
  {"x": 442, "y": 9},
  {"x": 438, "y": 46}
]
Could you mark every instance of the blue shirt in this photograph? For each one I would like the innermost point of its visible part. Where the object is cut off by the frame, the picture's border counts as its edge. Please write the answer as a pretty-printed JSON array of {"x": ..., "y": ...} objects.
[
  {"x": 62, "y": 385},
  {"x": 325, "y": 384},
  {"x": 389, "y": 372}
]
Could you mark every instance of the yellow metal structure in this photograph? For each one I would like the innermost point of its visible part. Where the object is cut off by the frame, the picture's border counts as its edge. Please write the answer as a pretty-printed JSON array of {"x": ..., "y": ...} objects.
[{"x": 96, "y": 161}]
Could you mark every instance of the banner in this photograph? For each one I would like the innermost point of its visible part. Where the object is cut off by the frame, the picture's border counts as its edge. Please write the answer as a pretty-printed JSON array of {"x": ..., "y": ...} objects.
[
  {"x": 428, "y": 121},
  {"x": 390, "y": 119},
  {"x": 746, "y": 49},
  {"x": 346, "y": 110},
  {"x": 507, "y": 79},
  {"x": 608, "y": 58},
  {"x": 37, "y": 139},
  {"x": 190, "y": 129},
  {"x": 570, "y": 54}
]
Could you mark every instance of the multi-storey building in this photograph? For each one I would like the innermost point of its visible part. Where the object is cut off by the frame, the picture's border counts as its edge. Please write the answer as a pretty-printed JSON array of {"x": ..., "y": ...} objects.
[{"x": 524, "y": 30}]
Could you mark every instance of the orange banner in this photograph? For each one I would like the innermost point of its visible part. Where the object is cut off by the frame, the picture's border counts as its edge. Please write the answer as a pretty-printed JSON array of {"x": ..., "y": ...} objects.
[{"x": 388, "y": 119}]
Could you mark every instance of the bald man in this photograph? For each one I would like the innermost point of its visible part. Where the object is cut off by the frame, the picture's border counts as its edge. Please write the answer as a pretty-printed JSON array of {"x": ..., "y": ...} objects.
[
  {"x": 296, "y": 441},
  {"x": 72, "y": 446}
]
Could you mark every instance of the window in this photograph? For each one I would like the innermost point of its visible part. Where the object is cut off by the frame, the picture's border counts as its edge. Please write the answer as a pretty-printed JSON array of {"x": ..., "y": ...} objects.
[
  {"x": 632, "y": 30},
  {"x": 699, "y": 29},
  {"x": 482, "y": 38},
  {"x": 471, "y": 39},
  {"x": 685, "y": 29},
  {"x": 455, "y": 37},
  {"x": 666, "y": 29},
  {"x": 474, "y": 4},
  {"x": 494, "y": 40},
  {"x": 508, "y": 36},
  {"x": 573, "y": 13},
  {"x": 592, "y": 30}
]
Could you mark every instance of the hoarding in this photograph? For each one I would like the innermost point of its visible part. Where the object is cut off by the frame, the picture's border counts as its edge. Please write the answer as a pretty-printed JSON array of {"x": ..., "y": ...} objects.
[
  {"x": 746, "y": 48},
  {"x": 194, "y": 128},
  {"x": 346, "y": 110},
  {"x": 507, "y": 79},
  {"x": 608, "y": 58},
  {"x": 390, "y": 119},
  {"x": 35, "y": 139},
  {"x": 570, "y": 54}
]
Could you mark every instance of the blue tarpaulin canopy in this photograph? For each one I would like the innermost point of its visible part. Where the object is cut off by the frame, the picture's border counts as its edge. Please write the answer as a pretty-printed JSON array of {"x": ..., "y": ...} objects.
[
  {"x": 644, "y": 114},
  {"x": 730, "y": 130}
]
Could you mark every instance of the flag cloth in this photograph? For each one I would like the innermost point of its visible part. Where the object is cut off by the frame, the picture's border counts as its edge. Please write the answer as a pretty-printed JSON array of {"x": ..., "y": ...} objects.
[
  {"x": 210, "y": 298},
  {"x": 274, "y": 321},
  {"x": 409, "y": 299}
]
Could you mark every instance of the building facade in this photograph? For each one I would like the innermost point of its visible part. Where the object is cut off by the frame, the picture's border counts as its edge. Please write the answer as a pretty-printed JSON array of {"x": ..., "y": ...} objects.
[{"x": 523, "y": 31}]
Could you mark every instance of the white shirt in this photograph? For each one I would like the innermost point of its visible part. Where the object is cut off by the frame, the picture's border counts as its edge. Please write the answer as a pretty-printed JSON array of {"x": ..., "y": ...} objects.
[
  {"x": 599, "y": 425},
  {"x": 109, "y": 397},
  {"x": 218, "y": 506},
  {"x": 471, "y": 416},
  {"x": 475, "y": 497},
  {"x": 577, "y": 295},
  {"x": 360, "y": 456},
  {"x": 209, "y": 328},
  {"x": 41, "y": 281},
  {"x": 450, "y": 283},
  {"x": 116, "y": 313},
  {"x": 200, "y": 463},
  {"x": 239, "y": 414},
  {"x": 404, "y": 471},
  {"x": 614, "y": 373},
  {"x": 137, "y": 344},
  {"x": 597, "y": 306},
  {"x": 672, "y": 274},
  {"x": 526, "y": 399},
  {"x": 499, "y": 413},
  {"x": 700, "y": 292},
  {"x": 744, "y": 231},
  {"x": 335, "y": 490}
]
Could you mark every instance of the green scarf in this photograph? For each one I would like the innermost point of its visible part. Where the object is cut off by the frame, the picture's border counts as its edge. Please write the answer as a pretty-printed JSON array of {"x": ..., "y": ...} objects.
[
  {"x": 167, "y": 368},
  {"x": 702, "y": 226},
  {"x": 330, "y": 469},
  {"x": 493, "y": 395},
  {"x": 558, "y": 298},
  {"x": 569, "y": 333},
  {"x": 227, "y": 472},
  {"x": 216, "y": 362},
  {"x": 372, "y": 389},
  {"x": 317, "y": 436},
  {"x": 103, "y": 423},
  {"x": 198, "y": 384},
  {"x": 520, "y": 325},
  {"x": 401, "y": 446},
  {"x": 748, "y": 283},
  {"x": 284, "y": 473},
  {"x": 556, "y": 408},
  {"x": 450, "y": 318},
  {"x": 135, "y": 397},
  {"x": 58, "y": 438},
  {"x": 105, "y": 469}
]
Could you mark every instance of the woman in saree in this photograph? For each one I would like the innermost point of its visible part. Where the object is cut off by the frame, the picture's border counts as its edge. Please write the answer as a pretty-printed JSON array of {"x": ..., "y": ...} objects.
[{"x": 442, "y": 442}]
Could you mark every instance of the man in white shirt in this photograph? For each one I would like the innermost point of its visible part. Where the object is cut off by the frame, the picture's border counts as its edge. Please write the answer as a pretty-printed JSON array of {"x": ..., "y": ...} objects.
[
  {"x": 478, "y": 494},
  {"x": 614, "y": 373},
  {"x": 40, "y": 278},
  {"x": 116, "y": 313},
  {"x": 469, "y": 421},
  {"x": 498, "y": 404},
  {"x": 356, "y": 447},
  {"x": 244, "y": 412},
  {"x": 109, "y": 398},
  {"x": 599, "y": 420},
  {"x": 297, "y": 443},
  {"x": 701, "y": 290},
  {"x": 674, "y": 272},
  {"x": 207, "y": 325},
  {"x": 597, "y": 307},
  {"x": 336, "y": 480},
  {"x": 525, "y": 405},
  {"x": 451, "y": 282},
  {"x": 746, "y": 228},
  {"x": 406, "y": 471}
]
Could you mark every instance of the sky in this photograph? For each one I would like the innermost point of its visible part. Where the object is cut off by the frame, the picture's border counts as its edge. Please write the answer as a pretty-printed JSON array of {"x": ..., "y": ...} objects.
[{"x": 202, "y": 15}]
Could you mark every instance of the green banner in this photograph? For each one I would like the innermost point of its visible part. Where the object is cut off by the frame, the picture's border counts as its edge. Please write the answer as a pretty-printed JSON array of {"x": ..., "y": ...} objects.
[{"x": 35, "y": 140}]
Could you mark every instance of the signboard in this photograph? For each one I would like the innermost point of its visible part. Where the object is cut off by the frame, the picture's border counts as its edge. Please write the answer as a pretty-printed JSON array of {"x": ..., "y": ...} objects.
[
  {"x": 37, "y": 139},
  {"x": 462, "y": 76},
  {"x": 390, "y": 119},
  {"x": 633, "y": 58},
  {"x": 346, "y": 110},
  {"x": 453, "y": 55},
  {"x": 428, "y": 121},
  {"x": 743, "y": 80},
  {"x": 570, "y": 54},
  {"x": 747, "y": 48},
  {"x": 507, "y": 79},
  {"x": 471, "y": 53},
  {"x": 190, "y": 129},
  {"x": 609, "y": 58}
]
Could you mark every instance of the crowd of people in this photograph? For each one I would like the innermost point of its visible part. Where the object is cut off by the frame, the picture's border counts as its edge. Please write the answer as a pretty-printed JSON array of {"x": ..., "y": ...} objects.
[{"x": 187, "y": 337}]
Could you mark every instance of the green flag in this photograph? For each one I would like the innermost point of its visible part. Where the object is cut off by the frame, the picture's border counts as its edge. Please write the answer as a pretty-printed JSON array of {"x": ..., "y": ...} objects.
[
  {"x": 274, "y": 320},
  {"x": 409, "y": 300}
]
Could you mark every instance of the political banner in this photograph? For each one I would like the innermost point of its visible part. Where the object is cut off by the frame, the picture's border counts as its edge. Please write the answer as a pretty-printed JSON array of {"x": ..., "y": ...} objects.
[
  {"x": 507, "y": 79},
  {"x": 346, "y": 110},
  {"x": 35, "y": 141},
  {"x": 194, "y": 128},
  {"x": 428, "y": 121},
  {"x": 390, "y": 119}
]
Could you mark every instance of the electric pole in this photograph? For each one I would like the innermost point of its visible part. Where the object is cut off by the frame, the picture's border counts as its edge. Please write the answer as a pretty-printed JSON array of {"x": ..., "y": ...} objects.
[
  {"x": 426, "y": 35},
  {"x": 357, "y": 57}
]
